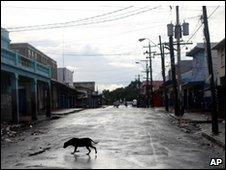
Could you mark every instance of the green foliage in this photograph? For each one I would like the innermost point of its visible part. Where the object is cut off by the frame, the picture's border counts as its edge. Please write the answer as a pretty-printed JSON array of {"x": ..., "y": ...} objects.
[{"x": 128, "y": 93}]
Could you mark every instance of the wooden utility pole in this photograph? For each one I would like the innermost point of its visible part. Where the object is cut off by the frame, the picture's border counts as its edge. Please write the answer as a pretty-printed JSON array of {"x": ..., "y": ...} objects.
[
  {"x": 151, "y": 79},
  {"x": 178, "y": 37},
  {"x": 147, "y": 86},
  {"x": 163, "y": 74},
  {"x": 176, "y": 103},
  {"x": 215, "y": 128}
]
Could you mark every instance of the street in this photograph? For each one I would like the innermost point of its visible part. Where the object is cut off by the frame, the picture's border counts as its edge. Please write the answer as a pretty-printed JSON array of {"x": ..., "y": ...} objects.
[{"x": 128, "y": 138}]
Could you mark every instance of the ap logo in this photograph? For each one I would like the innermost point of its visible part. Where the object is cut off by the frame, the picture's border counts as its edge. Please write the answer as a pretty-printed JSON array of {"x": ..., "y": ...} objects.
[{"x": 215, "y": 162}]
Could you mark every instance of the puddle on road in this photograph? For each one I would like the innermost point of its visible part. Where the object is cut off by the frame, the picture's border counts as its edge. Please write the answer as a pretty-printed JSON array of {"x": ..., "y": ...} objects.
[{"x": 64, "y": 159}]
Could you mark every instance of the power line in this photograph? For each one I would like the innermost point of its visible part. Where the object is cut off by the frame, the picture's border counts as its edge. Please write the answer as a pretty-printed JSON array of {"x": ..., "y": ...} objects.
[
  {"x": 64, "y": 24},
  {"x": 87, "y": 23},
  {"x": 104, "y": 14},
  {"x": 94, "y": 22},
  {"x": 76, "y": 54},
  {"x": 194, "y": 33},
  {"x": 214, "y": 11},
  {"x": 202, "y": 24},
  {"x": 63, "y": 9}
]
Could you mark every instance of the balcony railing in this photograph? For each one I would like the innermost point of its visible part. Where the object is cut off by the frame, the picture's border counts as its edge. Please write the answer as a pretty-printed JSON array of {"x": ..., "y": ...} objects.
[{"x": 11, "y": 58}]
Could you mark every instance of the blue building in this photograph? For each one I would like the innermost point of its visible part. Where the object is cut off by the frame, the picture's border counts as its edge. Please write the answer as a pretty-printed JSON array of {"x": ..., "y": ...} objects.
[
  {"x": 21, "y": 78},
  {"x": 197, "y": 95}
]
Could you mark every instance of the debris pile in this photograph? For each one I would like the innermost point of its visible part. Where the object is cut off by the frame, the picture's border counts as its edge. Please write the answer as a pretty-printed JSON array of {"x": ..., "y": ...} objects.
[{"x": 9, "y": 132}]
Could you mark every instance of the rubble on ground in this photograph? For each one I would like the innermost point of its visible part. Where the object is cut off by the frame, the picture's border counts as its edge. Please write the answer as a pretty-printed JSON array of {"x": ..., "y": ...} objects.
[{"x": 9, "y": 132}]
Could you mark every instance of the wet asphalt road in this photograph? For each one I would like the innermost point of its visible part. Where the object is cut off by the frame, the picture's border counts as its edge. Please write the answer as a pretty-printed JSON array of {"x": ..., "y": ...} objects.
[{"x": 128, "y": 138}]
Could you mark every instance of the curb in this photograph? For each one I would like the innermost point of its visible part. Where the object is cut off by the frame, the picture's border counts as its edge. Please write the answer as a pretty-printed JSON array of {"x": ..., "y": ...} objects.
[
  {"x": 193, "y": 121},
  {"x": 205, "y": 135},
  {"x": 74, "y": 111},
  {"x": 212, "y": 139}
]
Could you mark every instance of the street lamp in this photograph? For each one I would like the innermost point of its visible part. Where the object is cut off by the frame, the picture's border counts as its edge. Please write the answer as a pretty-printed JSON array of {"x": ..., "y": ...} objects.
[{"x": 141, "y": 39}]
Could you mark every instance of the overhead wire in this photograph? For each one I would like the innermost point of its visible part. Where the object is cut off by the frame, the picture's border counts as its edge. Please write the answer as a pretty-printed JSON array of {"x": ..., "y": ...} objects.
[
  {"x": 96, "y": 16},
  {"x": 196, "y": 30},
  {"x": 87, "y": 23}
]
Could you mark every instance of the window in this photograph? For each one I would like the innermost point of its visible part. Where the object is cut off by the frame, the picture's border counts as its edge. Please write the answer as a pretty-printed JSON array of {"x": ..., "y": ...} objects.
[
  {"x": 29, "y": 53},
  {"x": 222, "y": 58}
]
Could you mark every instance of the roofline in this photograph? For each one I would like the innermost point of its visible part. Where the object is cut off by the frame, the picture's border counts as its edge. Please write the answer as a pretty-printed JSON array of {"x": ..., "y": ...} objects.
[
  {"x": 3, "y": 29},
  {"x": 219, "y": 45},
  {"x": 197, "y": 48},
  {"x": 194, "y": 50},
  {"x": 31, "y": 46},
  {"x": 84, "y": 82}
]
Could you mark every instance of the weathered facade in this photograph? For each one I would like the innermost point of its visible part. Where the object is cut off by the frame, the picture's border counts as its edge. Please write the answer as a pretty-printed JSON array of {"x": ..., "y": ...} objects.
[
  {"x": 157, "y": 93},
  {"x": 65, "y": 76},
  {"x": 87, "y": 98},
  {"x": 63, "y": 96},
  {"x": 220, "y": 47},
  {"x": 186, "y": 67},
  {"x": 21, "y": 77},
  {"x": 31, "y": 52},
  {"x": 196, "y": 89}
]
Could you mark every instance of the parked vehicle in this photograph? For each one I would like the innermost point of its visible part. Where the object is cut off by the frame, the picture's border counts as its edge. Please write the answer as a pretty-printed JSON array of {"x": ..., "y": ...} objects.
[
  {"x": 134, "y": 102},
  {"x": 116, "y": 104}
]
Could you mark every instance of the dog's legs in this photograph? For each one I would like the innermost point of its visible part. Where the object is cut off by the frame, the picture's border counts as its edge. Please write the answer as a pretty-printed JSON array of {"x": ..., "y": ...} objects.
[
  {"x": 94, "y": 148},
  {"x": 88, "y": 149},
  {"x": 74, "y": 150}
]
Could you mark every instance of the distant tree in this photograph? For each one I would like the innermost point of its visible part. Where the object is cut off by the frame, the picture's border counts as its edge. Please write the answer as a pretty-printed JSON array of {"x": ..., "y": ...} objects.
[{"x": 128, "y": 93}]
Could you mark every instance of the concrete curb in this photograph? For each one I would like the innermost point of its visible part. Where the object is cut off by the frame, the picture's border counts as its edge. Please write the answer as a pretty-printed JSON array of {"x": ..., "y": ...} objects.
[
  {"x": 213, "y": 140},
  {"x": 74, "y": 111},
  {"x": 205, "y": 135},
  {"x": 193, "y": 121}
]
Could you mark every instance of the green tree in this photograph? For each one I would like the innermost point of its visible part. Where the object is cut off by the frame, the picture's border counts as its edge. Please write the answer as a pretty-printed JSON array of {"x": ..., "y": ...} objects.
[{"x": 128, "y": 93}]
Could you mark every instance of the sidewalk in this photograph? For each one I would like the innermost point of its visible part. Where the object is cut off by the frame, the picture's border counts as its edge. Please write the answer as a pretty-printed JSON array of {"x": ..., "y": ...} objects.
[
  {"x": 55, "y": 114},
  {"x": 205, "y": 125},
  {"x": 59, "y": 112},
  {"x": 9, "y": 131}
]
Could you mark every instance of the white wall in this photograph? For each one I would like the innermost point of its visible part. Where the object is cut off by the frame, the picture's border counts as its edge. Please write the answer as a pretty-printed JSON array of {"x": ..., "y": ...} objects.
[{"x": 65, "y": 76}]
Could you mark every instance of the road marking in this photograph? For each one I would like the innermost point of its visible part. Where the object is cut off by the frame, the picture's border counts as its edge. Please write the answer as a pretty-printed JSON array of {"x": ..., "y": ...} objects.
[{"x": 152, "y": 146}]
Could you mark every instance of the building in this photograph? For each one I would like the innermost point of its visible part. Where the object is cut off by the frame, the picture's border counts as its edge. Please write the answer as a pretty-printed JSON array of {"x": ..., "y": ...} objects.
[
  {"x": 88, "y": 86},
  {"x": 88, "y": 97},
  {"x": 220, "y": 47},
  {"x": 21, "y": 80},
  {"x": 186, "y": 71},
  {"x": 197, "y": 95},
  {"x": 31, "y": 52},
  {"x": 186, "y": 66},
  {"x": 65, "y": 76},
  {"x": 63, "y": 96},
  {"x": 157, "y": 93}
]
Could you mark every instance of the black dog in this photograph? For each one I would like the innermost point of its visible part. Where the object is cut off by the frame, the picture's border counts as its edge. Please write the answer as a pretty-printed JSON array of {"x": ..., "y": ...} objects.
[{"x": 81, "y": 142}]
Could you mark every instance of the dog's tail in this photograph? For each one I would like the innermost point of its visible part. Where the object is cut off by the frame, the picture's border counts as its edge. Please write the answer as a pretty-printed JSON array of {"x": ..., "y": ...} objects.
[{"x": 94, "y": 141}]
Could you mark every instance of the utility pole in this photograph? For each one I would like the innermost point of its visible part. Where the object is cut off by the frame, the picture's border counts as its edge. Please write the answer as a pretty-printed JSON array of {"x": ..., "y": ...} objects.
[
  {"x": 178, "y": 36},
  {"x": 163, "y": 74},
  {"x": 215, "y": 128},
  {"x": 147, "y": 86},
  {"x": 176, "y": 103},
  {"x": 151, "y": 79},
  {"x": 150, "y": 60}
]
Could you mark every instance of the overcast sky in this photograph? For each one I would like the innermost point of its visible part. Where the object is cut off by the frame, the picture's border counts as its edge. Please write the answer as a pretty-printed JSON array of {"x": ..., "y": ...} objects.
[{"x": 105, "y": 47}]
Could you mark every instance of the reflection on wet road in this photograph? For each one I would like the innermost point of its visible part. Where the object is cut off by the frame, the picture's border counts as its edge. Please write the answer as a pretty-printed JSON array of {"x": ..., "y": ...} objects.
[{"x": 128, "y": 138}]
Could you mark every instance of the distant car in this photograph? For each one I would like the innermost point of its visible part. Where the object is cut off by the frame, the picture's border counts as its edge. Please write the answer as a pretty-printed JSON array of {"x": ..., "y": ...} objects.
[
  {"x": 116, "y": 104},
  {"x": 134, "y": 102}
]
